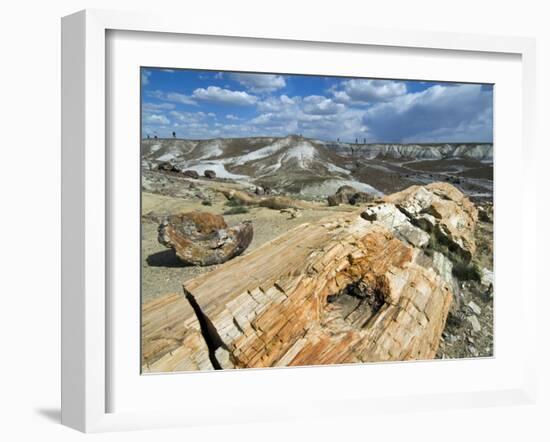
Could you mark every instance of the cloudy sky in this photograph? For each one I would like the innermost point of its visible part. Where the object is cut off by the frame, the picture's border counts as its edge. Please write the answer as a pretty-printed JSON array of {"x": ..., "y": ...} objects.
[{"x": 205, "y": 104}]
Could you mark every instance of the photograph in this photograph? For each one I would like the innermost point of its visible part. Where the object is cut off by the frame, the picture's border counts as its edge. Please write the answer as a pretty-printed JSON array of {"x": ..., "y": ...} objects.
[{"x": 292, "y": 220}]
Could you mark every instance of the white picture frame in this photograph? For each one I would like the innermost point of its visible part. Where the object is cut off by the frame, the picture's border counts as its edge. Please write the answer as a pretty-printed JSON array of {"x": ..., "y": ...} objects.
[{"x": 86, "y": 317}]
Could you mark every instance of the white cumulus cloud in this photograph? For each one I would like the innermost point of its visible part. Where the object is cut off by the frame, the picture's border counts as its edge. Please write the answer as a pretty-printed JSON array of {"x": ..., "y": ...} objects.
[
  {"x": 318, "y": 105},
  {"x": 219, "y": 95},
  {"x": 155, "y": 119},
  {"x": 259, "y": 83},
  {"x": 440, "y": 113},
  {"x": 358, "y": 91}
]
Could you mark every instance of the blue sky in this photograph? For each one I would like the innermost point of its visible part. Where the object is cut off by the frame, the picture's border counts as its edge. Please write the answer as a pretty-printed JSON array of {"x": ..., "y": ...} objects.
[{"x": 205, "y": 104}]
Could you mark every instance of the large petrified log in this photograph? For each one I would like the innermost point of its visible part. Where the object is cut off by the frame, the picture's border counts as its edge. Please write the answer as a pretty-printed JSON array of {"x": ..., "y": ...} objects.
[
  {"x": 347, "y": 289},
  {"x": 203, "y": 239}
]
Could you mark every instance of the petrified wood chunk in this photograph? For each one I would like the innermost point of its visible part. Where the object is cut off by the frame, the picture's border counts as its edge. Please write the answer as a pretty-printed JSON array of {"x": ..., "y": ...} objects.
[
  {"x": 210, "y": 174},
  {"x": 203, "y": 238},
  {"x": 442, "y": 209},
  {"x": 345, "y": 289}
]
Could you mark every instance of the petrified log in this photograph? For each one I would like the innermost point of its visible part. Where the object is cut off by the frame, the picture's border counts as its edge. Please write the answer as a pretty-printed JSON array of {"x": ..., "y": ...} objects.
[
  {"x": 239, "y": 197},
  {"x": 209, "y": 174},
  {"x": 284, "y": 202},
  {"x": 342, "y": 290},
  {"x": 204, "y": 239}
]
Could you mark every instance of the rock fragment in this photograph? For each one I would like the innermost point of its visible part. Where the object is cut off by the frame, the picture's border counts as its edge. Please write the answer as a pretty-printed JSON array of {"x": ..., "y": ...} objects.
[
  {"x": 204, "y": 239},
  {"x": 476, "y": 326},
  {"x": 474, "y": 307},
  {"x": 191, "y": 174}
]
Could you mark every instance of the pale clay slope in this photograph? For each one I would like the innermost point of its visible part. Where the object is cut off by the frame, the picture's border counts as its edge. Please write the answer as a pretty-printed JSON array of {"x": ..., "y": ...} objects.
[{"x": 300, "y": 163}]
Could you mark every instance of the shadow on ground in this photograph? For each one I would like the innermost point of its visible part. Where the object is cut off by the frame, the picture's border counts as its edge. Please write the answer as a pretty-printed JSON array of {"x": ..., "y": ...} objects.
[{"x": 166, "y": 258}]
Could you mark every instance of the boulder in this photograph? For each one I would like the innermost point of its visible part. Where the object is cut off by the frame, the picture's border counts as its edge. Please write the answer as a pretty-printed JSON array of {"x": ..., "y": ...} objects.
[
  {"x": 191, "y": 174},
  {"x": 209, "y": 174},
  {"x": 349, "y": 195},
  {"x": 203, "y": 239},
  {"x": 342, "y": 196},
  {"x": 166, "y": 167},
  {"x": 294, "y": 213}
]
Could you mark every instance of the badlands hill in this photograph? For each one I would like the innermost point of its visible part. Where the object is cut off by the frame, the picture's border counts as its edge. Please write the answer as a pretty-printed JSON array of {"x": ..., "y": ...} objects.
[
  {"x": 475, "y": 151},
  {"x": 295, "y": 164}
]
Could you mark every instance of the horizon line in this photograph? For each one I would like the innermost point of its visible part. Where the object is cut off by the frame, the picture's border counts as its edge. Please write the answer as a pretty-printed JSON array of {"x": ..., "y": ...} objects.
[{"x": 315, "y": 139}]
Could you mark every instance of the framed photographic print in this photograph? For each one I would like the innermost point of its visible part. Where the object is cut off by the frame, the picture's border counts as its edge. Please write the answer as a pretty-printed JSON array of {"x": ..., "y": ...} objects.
[{"x": 253, "y": 213}]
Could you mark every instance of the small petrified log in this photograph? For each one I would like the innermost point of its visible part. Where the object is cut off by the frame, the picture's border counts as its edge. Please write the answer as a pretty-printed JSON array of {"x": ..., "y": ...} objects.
[
  {"x": 204, "y": 239},
  {"x": 239, "y": 197},
  {"x": 210, "y": 174},
  {"x": 284, "y": 202}
]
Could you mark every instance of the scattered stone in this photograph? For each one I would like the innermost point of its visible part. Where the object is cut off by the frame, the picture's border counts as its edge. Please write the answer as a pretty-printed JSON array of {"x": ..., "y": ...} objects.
[
  {"x": 294, "y": 213},
  {"x": 209, "y": 174},
  {"x": 204, "y": 239},
  {"x": 474, "y": 307},
  {"x": 167, "y": 167},
  {"x": 487, "y": 279},
  {"x": 476, "y": 326},
  {"x": 191, "y": 174}
]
